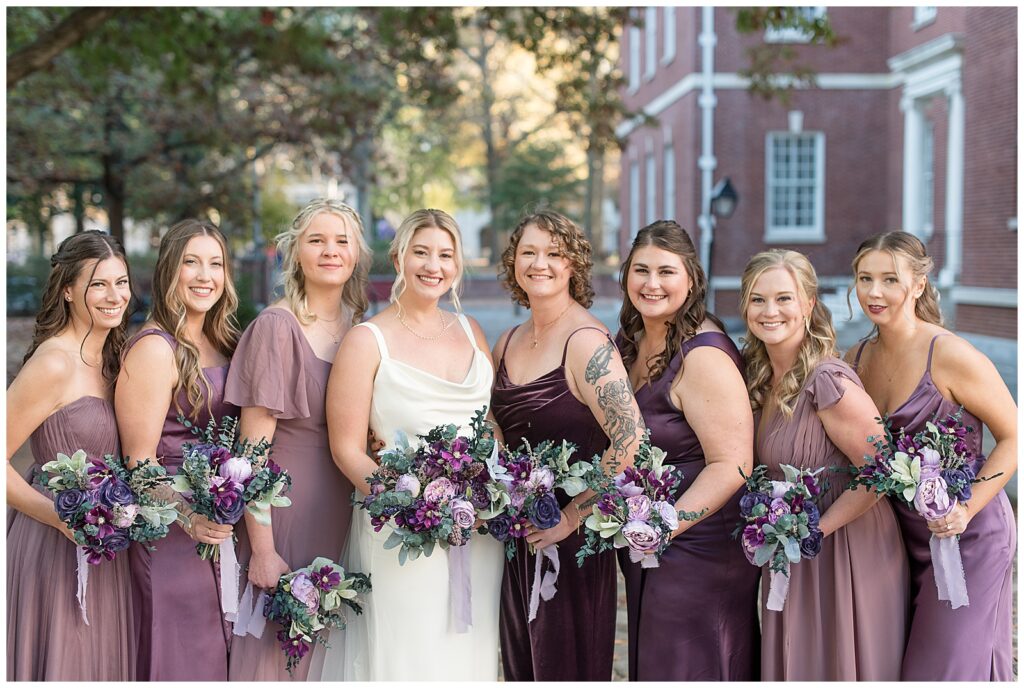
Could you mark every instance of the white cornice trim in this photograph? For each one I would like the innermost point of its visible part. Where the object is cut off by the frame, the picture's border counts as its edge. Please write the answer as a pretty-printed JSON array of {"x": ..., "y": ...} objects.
[
  {"x": 733, "y": 81},
  {"x": 984, "y": 296},
  {"x": 920, "y": 55}
]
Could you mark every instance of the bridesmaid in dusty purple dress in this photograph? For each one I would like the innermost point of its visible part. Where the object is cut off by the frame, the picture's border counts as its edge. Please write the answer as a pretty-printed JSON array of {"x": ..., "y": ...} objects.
[
  {"x": 279, "y": 378},
  {"x": 845, "y": 615},
  {"x": 177, "y": 365},
  {"x": 62, "y": 397},
  {"x": 560, "y": 377},
  {"x": 916, "y": 370},
  {"x": 693, "y": 618}
]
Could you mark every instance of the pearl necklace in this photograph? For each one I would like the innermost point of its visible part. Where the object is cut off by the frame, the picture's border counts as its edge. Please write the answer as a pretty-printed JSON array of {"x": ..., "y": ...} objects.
[{"x": 444, "y": 326}]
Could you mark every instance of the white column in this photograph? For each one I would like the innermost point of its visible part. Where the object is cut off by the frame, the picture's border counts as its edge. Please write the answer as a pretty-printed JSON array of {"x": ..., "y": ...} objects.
[
  {"x": 950, "y": 273},
  {"x": 912, "y": 121},
  {"x": 707, "y": 162}
]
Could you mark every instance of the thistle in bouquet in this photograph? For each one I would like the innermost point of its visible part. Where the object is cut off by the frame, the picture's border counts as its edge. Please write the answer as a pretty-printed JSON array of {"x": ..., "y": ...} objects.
[
  {"x": 107, "y": 506},
  {"x": 222, "y": 476},
  {"x": 780, "y": 525},
  {"x": 310, "y": 600},
  {"x": 429, "y": 493},
  {"x": 931, "y": 472},
  {"x": 634, "y": 509}
]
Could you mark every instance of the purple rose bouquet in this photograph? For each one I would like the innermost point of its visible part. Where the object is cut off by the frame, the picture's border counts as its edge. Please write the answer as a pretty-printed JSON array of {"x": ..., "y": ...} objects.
[
  {"x": 429, "y": 494},
  {"x": 305, "y": 603},
  {"x": 635, "y": 509},
  {"x": 107, "y": 506},
  {"x": 930, "y": 472},
  {"x": 780, "y": 524}
]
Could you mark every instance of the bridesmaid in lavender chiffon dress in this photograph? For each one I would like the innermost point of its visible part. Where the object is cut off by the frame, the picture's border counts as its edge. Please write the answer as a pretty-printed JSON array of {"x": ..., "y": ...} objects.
[
  {"x": 279, "y": 378},
  {"x": 694, "y": 617},
  {"x": 973, "y": 642},
  {"x": 61, "y": 397},
  {"x": 560, "y": 377},
  {"x": 181, "y": 631},
  {"x": 844, "y": 618}
]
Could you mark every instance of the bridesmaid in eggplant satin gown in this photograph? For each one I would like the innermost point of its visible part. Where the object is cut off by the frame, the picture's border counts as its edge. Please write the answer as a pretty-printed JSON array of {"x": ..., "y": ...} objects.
[
  {"x": 560, "y": 377},
  {"x": 694, "y": 617},
  {"x": 181, "y": 629},
  {"x": 60, "y": 400},
  {"x": 973, "y": 642}
]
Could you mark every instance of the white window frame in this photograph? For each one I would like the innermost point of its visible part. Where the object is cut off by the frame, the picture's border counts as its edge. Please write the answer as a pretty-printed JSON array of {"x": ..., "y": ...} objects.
[
  {"x": 650, "y": 188},
  {"x": 634, "y": 198},
  {"x": 668, "y": 52},
  {"x": 794, "y": 234},
  {"x": 793, "y": 35},
  {"x": 634, "y": 58},
  {"x": 923, "y": 16},
  {"x": 668, "y": 177},
  {"x": 927, "y": 193},
  {"x": 650, "y": 42}
]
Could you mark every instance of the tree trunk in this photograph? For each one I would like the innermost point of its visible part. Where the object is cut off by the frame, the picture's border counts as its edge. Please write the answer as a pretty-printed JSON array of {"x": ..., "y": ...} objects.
[
  {"x": 78, "y": 196},
  {"x": 75, "y": 27},
  {"x": 597, "y": 231},
  {"x": 493, "y": 161},
  {"x": 362, "y": 173},
  {"x": 588, "y": 196}
]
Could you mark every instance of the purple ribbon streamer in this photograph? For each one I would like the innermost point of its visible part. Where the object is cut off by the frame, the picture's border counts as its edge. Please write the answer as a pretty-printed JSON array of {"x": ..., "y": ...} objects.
[
  {"x": 949, "y": 571},
  {"x": 543, "y": 587},
  {"x": 460, "y": 588}
]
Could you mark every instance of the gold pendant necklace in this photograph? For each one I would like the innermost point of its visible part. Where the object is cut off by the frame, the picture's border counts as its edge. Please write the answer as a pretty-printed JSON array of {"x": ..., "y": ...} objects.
[{"x": 536, "y": 337}]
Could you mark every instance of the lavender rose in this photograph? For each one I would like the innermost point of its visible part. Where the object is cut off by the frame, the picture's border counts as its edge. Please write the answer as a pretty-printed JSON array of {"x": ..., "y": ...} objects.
[
  {"x": 668, "y": 513},
  {"x": 408, "y": 483},
  {"x": 305, "y": 591},
  {"x": 114, "y": 491},
  {"x": 811, "y": 545},
  {"x": 236, "y": 468},
  {"x": 931, "y": 462},
  {"x": 439, "y": 490},
  {"x": 68, "y": 503},
  {"x": 780, "y": 488},
  {"x": 638, "y": 508},
  {"x": 541, "y": 479},
  {"x": 625, "y": 484},
  {"x": 777, "y": 509},
  {"x": 463, "y": 513},
  {"x": 124, "y": 515},
  {"x": 932, "y": 499},
  {"x": 640, "y": 536},
  {"x": 544, "y": 511}
]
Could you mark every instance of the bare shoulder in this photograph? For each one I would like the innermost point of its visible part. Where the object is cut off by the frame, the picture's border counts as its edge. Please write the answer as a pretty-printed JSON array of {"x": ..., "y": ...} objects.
[
  {"x": 358, "y": 339},
  {"x": 592, "y": 352},
  {"x": 500, "y": 345},
  {"x": 478, "y": 333},
  {"x": 708, "y": 326},
  {"x": 956, "y": 356},
  {"x": 50, "y": 367},
  {"x": 151, "y": 350}
]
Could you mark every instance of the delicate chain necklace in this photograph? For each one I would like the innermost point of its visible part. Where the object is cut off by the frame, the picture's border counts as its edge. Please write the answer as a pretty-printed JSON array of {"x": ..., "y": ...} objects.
[
  {"x": 336, "y": 335},
  {"x": 536, "y": 337},
  {"x": 444, "y": 326}
]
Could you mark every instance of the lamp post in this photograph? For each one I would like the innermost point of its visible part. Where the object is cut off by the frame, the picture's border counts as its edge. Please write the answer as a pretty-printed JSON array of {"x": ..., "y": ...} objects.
[{"x": 723, "y": 203}]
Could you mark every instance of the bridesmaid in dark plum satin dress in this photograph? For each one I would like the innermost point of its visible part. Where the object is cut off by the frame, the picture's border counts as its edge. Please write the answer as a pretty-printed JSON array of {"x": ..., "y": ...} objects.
[
  {"x": 694, "y": 617},
  {"x": 60, "y": 401},
  {"x": 182, "y": 634},
  {"x": 973, "y": 642},
  {"x": 560, "y": 377}
]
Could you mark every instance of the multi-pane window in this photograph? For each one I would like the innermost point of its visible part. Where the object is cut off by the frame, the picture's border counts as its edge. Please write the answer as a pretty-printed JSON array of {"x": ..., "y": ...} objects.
[
  {"x": 794, "y": 35},
  {"x": 924, "y": 15},
  {"x": 634, "y": 198},
  {"x": 634, "y": 58},
  {"x": 795, "y": 187},
  {"x": 668, "y": 175},
  {"x": 669, "y": 50},
  {"x": 650, "y": 42},
  {"x": 651, "y": 188}
]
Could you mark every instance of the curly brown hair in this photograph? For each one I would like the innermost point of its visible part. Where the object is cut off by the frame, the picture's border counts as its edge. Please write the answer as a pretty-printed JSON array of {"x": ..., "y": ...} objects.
[{"x": 573, "y": 244}]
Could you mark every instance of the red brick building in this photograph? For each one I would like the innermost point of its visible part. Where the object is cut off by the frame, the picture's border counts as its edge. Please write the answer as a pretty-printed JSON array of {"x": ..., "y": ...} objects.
[{"x": 912, "y": 125}]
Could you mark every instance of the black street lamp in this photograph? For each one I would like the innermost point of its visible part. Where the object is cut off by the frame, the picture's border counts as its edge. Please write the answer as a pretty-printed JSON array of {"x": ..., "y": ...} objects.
[{"x": 724, "y": 198}]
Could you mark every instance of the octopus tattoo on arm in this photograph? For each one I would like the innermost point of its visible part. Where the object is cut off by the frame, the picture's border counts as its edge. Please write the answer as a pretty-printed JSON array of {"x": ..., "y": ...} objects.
[{"x": 614, "y": 397}]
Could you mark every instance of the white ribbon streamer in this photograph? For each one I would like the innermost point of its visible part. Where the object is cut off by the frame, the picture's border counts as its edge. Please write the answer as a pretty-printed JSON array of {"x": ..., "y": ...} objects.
[
  {"x": 460, "y": 588},
  {"x": 778, "y": 589},
  {"x": 250, "y": 619},
  {"x": 83, "y": 581},
  {"x": 949, "y": 571},
  {"x": 543, "y": 588},
  {"x": 228, "y": 578}
]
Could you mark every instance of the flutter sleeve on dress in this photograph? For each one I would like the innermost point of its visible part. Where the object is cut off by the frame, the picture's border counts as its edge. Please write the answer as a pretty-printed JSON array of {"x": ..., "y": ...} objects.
[
  {"x": 268, "y": 367},
  {"x": 824, "y": 388}
]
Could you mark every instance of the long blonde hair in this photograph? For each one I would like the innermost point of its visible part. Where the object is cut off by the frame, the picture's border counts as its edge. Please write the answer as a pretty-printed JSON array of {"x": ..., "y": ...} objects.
[
  {"x": 353, "y": 294},
  {"x": 910, "y": 247},
  {"x": 818, "y": 344},
  {"x": 169, "y": 311},
  {"x": 425, "y": 218}
]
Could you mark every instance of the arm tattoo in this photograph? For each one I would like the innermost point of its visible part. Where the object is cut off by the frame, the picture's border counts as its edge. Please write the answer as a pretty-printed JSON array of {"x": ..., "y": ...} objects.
[
  {"x": 621, "y": 424},
  {"x": 597, "y": 366}
]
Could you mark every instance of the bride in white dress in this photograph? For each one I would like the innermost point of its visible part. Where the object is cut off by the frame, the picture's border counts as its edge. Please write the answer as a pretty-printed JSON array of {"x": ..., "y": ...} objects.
[{"x": 412, "y": 367}]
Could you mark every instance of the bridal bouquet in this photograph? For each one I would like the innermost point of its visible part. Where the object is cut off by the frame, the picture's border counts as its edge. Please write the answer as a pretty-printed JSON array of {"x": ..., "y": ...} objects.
[
  {"x": 521, "y": 492},
  {"x": 107, "y": 506},
  {"x": 780, "y": 524},
  {"x": 220, "y": 478},
  {"x": 305, "y": 603},
  {"x": 930, "y": 472},
  {"x": 635, "y": 509},
  {"x": 430, "y": 493}
]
